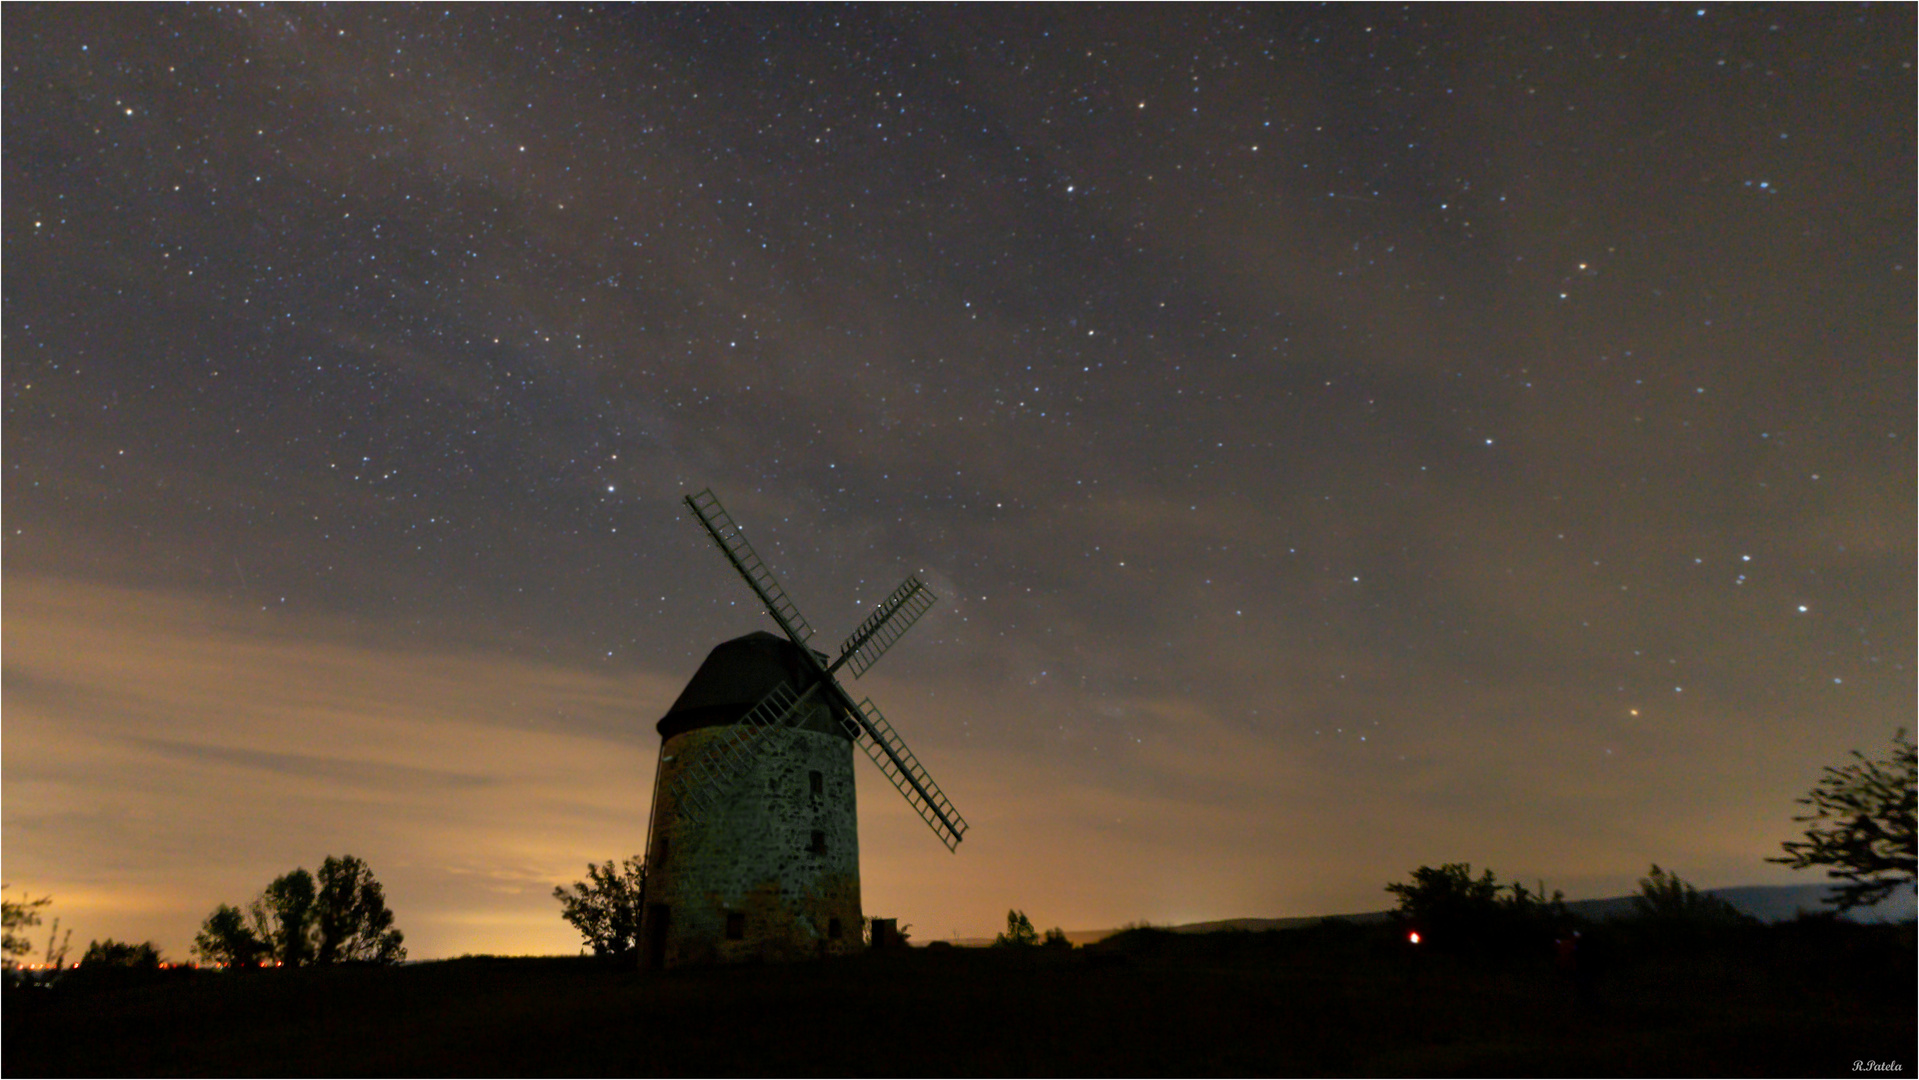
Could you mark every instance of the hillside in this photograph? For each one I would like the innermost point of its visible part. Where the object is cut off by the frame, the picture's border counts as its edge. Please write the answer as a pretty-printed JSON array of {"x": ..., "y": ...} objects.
[{"x": 1768, "y": 903}]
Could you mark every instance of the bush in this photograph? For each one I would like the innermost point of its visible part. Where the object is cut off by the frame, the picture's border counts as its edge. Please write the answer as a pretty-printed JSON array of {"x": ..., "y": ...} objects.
[
  {"x": 1669, "y": 900},
  {"x": 1451, "y": 909},
  {"x": 117, "y": 964},
  {"x": 121, "y": 954}
]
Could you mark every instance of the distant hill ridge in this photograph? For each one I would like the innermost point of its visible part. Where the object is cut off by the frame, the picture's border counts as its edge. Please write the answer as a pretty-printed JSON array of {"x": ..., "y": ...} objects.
[{"x": 1770, "y": 903}]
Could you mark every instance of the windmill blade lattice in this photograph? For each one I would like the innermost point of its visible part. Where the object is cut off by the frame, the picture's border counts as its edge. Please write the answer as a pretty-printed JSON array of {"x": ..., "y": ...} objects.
[
  {"x": 732, "y": 541},
  {"x": 884, "y": 746},
  {"x": 772, "y": 721},
  {"x": 892, "y": 619}
]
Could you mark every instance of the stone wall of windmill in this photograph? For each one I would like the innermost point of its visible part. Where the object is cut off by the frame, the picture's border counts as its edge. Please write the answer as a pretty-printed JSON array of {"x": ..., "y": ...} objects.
[{"x": 772, "y": 873}]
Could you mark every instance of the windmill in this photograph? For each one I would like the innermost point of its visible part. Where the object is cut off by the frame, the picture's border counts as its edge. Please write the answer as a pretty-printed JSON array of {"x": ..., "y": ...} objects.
[{"x": 753, "y": 850}]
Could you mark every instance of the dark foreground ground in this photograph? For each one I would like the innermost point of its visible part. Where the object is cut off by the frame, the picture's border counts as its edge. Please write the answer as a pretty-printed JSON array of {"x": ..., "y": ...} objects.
[{"x": 1803, "y": 999}]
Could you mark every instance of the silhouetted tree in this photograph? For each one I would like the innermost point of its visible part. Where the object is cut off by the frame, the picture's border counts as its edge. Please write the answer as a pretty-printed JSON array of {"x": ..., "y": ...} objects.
[
  {"x": 17, "y": 917},
  {"x": 1861, "y": 826},
  {"x": 1019, "y": 931},
  {"x": 296, "y": 920},
  {"x": 1440, "y": 893},
  {"x": 1448, "y": 906},
  {"x": 1056, "y": 939},
  {"x": 226, "y": 939},
  {"x": 57, "y": 946},
  {"x": 283, "y": 917},
  {"x": 351, "y": 919},
  {"x": 605, "y": 908},
  {"x": 1667, "y": 898}
]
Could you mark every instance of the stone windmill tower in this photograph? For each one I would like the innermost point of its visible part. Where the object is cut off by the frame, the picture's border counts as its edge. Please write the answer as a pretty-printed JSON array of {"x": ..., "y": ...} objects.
[{"x": 753, "y": 851}]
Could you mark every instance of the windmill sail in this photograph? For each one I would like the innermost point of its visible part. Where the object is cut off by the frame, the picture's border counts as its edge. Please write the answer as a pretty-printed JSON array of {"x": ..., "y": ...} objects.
[
  {"x": 770, "y": 724},
  {"x": 732, "y": 541},
  {"x": 893, "y": 618},
  {"x": 889, "y": 752}
]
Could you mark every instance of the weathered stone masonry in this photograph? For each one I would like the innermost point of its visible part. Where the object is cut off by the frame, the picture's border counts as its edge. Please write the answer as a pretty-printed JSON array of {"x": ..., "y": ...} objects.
[{"x": 773, "y": 872}]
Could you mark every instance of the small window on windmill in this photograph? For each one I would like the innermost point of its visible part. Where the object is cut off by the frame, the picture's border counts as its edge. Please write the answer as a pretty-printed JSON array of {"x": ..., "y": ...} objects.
[
  {"x": 666, "y": 847},
  {"x": 736, "y": 926},
  {"x": 818, "y": 780},
  {"x": 833, "y": 929},
  {"x": 818, "y": 845}
]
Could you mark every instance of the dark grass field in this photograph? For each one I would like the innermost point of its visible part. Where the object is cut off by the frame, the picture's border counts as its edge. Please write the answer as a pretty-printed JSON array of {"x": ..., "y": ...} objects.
[{"x": 1803, "y": 999}]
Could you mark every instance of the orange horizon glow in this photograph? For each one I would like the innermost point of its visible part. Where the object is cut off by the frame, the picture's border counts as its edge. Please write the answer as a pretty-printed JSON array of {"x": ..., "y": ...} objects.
[{"x": 229, "y": 709}]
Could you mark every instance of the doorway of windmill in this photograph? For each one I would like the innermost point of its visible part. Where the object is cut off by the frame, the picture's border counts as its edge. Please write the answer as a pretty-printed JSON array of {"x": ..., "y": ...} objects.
[{"x": 656, "y": 920}]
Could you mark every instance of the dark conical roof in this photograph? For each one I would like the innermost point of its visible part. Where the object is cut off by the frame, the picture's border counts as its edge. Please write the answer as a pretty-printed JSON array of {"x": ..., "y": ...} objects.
[{"x": 734, "y": 677}]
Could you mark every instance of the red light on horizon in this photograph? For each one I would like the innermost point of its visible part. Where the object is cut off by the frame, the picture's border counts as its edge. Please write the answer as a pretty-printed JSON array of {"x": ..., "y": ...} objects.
[{"x": 1412, "y": 936}]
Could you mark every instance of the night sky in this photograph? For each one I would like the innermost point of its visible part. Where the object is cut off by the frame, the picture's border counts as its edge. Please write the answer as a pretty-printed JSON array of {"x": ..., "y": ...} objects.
[{"x": 1341, "y": 440}]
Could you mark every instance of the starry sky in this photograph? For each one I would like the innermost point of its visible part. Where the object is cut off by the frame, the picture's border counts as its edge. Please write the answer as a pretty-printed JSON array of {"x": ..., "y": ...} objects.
[{"x": 1341, "y": 439}]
